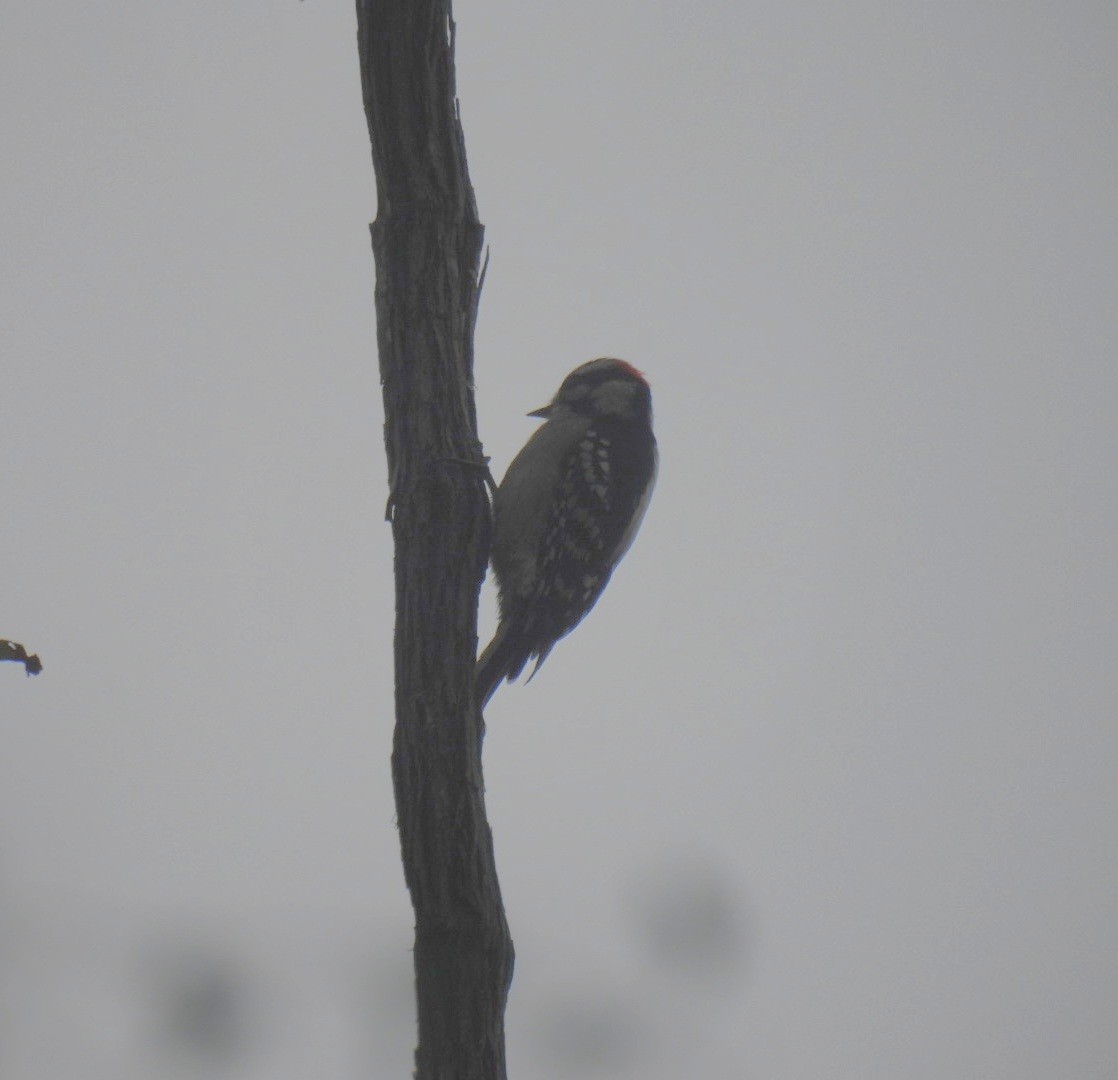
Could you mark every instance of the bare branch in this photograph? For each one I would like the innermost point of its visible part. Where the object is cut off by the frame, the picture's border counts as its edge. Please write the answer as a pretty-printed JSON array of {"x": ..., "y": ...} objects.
[
  {"x": 13, "y": 650},
  {"x": 426, "y": 242}
]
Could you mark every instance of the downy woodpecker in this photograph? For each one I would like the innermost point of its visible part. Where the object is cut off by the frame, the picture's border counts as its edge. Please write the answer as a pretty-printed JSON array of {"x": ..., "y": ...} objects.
[{"x": 566, "y": 512}]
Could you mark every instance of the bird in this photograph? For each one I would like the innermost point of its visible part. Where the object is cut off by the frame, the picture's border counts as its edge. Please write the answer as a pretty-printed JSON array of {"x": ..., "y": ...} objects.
[{"x": 566, "y": 512}]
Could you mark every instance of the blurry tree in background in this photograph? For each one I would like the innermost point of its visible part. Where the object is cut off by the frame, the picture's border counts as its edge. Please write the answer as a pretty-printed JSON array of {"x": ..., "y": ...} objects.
[{"x": 427, "y": 243}]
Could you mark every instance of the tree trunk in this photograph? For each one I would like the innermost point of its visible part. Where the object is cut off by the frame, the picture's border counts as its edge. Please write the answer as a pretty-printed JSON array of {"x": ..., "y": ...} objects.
[{"x": 426, "y": 243}]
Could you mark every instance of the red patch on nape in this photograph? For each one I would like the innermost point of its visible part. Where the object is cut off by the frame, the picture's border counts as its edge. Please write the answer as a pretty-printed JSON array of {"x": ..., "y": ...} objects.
[{"x": 630, "y": 370}]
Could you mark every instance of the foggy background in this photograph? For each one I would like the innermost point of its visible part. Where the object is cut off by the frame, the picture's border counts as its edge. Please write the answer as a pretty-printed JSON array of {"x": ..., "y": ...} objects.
[{"x": 825, "y": 786}]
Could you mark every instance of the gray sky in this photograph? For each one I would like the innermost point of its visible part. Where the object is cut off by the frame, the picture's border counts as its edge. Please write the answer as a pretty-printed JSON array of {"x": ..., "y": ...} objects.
[{"x": 826, "y": 784}]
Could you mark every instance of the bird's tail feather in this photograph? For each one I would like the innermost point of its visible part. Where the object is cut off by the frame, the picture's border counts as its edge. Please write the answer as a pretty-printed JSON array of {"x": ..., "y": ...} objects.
[
  {"x": 492, "y": 666},
  {"x": 504, "y": 658}
]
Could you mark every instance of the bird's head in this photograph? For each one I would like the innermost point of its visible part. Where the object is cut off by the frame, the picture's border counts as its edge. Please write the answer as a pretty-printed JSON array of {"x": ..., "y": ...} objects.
[{"x": 603, "y": 387}]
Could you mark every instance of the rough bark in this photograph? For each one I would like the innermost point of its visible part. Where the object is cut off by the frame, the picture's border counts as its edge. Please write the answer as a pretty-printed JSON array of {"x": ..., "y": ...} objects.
[{"x": 426, "y": 243}]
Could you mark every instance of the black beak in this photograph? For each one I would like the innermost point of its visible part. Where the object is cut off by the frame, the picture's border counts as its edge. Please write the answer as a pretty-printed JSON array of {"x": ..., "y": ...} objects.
[{"x": 543, "y": 412}]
